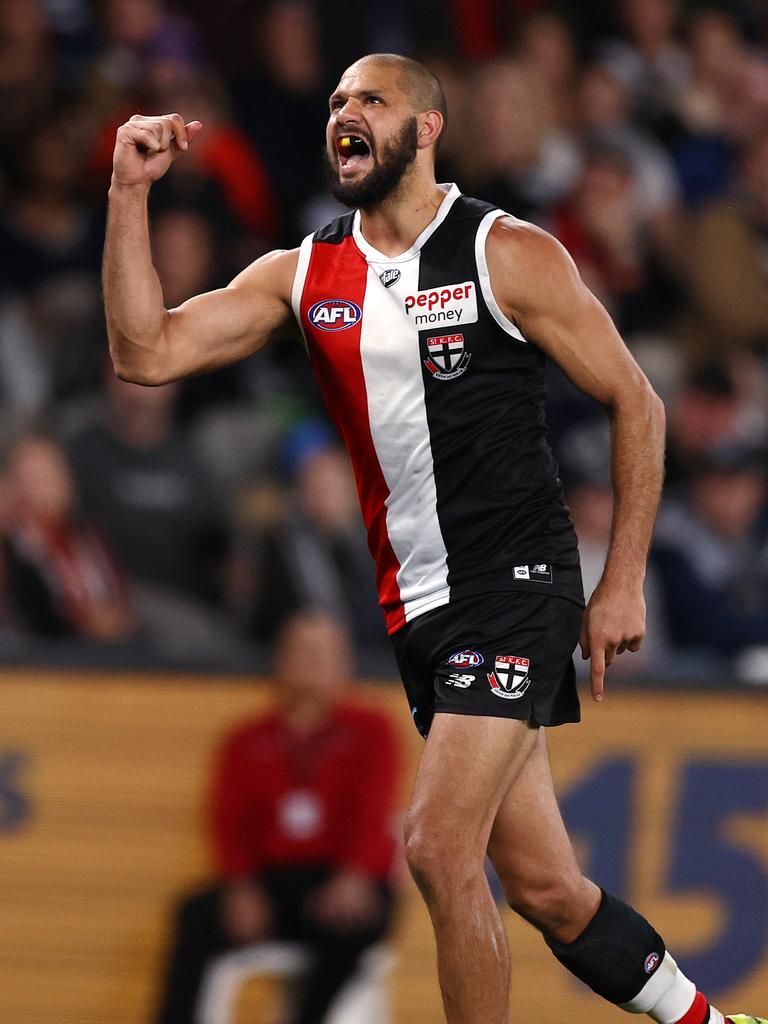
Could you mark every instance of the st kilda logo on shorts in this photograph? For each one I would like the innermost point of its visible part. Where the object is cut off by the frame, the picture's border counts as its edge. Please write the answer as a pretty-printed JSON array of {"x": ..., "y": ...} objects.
[
  {"x": 334, "y": 314},
  {"x": 509, "y": 678},
  {"x": 447, "y": 356}
]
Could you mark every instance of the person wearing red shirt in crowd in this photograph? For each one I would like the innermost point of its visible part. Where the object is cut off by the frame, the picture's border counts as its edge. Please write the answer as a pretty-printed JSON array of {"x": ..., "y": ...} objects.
[
  {"x": 60, "y": 574},
  {"x": 301, "y": 812}
]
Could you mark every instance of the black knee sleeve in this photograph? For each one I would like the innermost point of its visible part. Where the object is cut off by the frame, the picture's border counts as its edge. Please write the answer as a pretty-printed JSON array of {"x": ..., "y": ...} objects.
[{"x": 616, "y": 953}]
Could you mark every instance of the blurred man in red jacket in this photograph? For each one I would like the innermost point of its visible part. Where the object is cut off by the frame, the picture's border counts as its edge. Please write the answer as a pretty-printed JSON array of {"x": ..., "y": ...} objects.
[{"x": 302, "y": 804}]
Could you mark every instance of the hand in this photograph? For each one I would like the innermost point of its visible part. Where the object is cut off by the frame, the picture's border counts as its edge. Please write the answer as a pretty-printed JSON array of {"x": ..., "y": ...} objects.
[
  {"x": 245, "y": 911},
  {"x": 614, "y": 622},
  {"x": 146, "y": 147},
  {"x": 347, "y": 901}
]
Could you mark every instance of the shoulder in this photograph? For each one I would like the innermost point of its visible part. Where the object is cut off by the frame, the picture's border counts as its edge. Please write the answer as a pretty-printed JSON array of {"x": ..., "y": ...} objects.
[
  {"x": 511, "y": 238},
  {"x": 272, "y": 273},
  {"x": 528, "y": 265}
]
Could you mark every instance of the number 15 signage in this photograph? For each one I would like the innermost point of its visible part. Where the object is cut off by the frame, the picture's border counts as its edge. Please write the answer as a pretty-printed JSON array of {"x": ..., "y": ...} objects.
[{"x": 675, "y": 818}]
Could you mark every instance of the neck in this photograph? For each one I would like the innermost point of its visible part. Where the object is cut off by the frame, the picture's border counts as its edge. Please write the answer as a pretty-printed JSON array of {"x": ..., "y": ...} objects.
[{"x": 394, "y": 225}]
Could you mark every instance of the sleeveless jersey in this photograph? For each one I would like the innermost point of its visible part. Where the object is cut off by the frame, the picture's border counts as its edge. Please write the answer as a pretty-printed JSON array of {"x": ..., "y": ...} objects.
[{"x": 440, "y": 401}]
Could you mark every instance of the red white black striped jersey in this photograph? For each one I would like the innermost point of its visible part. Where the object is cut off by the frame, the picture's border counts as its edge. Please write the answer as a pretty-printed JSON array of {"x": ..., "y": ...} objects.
[{"x": 440, "y": 400}]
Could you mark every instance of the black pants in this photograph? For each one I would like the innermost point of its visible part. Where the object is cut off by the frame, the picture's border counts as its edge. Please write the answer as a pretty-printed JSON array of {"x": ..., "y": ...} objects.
[{"x": 199, "y": 936}]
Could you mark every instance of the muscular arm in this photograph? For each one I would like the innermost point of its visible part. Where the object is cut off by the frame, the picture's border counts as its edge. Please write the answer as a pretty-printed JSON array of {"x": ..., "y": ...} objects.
[
  {"x": 538, "y": 287},
  {"x": 148, "y": 343}
]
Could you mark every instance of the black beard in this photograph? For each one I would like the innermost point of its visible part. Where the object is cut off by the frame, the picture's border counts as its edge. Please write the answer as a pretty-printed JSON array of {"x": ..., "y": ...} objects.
[{"x": 397, "y": 155}]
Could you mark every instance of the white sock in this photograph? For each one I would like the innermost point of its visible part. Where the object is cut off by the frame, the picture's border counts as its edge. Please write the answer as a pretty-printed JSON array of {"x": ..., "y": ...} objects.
[{"x": 667, "y": 996}]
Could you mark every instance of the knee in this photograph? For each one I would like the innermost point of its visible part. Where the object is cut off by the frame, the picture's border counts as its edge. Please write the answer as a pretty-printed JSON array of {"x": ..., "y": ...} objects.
[
  {"x": 556, "y": 906},
  {"x": 439, "y": 862}
]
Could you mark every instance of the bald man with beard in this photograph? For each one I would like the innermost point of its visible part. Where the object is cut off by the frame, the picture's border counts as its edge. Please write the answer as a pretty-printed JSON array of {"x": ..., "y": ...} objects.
[{"x": 428, "y": 317}]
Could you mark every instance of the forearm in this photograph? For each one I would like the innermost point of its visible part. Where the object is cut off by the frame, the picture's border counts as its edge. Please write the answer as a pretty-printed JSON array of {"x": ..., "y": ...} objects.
[
  {"x": 133, "y": 297},
  {"x": 637, "y": 470}
]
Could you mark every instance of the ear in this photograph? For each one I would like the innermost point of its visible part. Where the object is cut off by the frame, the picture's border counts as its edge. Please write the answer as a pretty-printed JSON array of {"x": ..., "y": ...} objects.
[{"x": 430, "y": 125}]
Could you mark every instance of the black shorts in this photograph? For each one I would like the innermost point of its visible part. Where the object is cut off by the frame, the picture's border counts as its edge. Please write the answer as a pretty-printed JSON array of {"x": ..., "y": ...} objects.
[{"x": 500, "y": 655}]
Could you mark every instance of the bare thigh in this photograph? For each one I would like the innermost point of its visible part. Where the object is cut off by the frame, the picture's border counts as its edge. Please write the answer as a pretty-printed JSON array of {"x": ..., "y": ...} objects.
[{"x": 468, "y": 765}]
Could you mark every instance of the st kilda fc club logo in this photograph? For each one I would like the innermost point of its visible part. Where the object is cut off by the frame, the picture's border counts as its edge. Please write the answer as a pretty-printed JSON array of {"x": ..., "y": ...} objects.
[
  {"x": 448, "y": 358},
  {"x": 509, "y": 678}
]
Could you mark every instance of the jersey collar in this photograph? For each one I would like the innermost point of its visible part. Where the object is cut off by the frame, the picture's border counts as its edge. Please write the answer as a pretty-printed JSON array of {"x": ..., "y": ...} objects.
[{"x": 452, "y": 193}]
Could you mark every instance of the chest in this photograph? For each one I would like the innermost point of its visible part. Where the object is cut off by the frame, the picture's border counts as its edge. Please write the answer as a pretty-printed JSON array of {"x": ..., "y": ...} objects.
[{"x": 395, "y": 317}]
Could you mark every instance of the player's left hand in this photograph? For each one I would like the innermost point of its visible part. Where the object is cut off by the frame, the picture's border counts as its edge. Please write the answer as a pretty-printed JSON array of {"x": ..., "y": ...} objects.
[
  {"x": 347, "y": 901},
  {"x": 614, "y": 622}
]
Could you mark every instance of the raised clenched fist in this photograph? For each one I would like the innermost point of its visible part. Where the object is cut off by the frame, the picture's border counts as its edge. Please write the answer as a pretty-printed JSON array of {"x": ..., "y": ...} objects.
[{"x": 147, "y": 145}]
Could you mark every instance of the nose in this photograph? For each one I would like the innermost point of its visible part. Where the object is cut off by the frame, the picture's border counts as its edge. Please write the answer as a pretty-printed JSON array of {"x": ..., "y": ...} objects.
[{"x": 349, "y": 114}]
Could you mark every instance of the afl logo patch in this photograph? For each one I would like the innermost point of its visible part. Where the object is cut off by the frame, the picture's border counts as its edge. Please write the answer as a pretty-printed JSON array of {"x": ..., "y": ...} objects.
[
  {"x": 466, "y": 659},
  {"x": 334, "y": 314},
  {"x": 651, "y": 963}
]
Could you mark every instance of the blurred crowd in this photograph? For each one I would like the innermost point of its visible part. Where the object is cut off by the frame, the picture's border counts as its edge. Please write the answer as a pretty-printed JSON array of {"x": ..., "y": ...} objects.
[{"x": 186, "y": 522}]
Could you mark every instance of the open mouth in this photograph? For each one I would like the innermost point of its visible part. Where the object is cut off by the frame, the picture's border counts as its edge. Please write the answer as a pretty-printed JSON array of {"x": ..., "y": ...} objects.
[{"x": 353, "y": 151}]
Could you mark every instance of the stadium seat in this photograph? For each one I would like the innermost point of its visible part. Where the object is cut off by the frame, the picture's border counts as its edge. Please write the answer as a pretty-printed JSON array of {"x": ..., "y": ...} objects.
[{"x": 364, "y": 999}]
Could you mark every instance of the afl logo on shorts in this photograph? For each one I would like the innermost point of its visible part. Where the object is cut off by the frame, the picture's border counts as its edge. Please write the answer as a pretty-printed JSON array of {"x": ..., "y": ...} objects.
[
  {"x": 334, "y": 314},
  {"x": 466, "y": 659},
  {"x": 509, "y": 678}
]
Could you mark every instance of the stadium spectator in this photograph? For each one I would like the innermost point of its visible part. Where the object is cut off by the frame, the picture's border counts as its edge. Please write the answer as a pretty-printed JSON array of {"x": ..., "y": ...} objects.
[
  {"x": 605, "y": 119},
  {"x": 141, "y": 37},
  {"x": 187, "y": 229},
  {"x": 27, "y": 72},
  {"x": 710, "y": 556},
  {"x": 228, "y": 169},
  {"x": 727, "y": 268},
  {"x": 50, "y": 250},
  {"x": 526, "y": 161},
  {"x": 301, "y": 816},
  {"x": 650, "y": 60},
  {"x": 314, "y": 553},
  {"x": 603, "y": 227},
  {"x": 703, "y": 153},
  {"x": 716, "y": 407},
  {"x": 140, "y": 482},
  {"x": 226, "y": 177},
  {"x": 286, "y": 90},
  {"x": 726, "y": 94},
  {"x": 546, "y": 47},
  {"x": 61, "y": 576}
]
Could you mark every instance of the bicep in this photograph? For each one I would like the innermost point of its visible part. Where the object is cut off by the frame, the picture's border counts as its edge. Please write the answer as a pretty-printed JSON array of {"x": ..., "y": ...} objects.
[{"x": 228, "y": 324}]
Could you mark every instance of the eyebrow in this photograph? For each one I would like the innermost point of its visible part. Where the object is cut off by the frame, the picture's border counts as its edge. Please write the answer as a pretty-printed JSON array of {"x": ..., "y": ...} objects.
[{"x": 362, "y": 93}]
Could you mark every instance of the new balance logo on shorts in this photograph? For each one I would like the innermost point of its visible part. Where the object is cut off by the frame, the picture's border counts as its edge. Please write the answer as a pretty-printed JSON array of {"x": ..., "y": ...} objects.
[
  {"x": 509, "y": 678},
  {"x": 460, "y": 681},
  {"x": 539, "y": 573}
]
